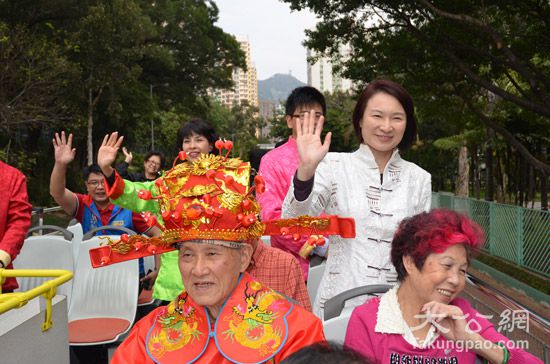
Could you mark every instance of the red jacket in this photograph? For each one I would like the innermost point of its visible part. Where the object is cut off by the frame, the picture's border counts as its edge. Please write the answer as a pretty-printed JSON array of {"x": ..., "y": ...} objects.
[{"x": 15, "y": 217}]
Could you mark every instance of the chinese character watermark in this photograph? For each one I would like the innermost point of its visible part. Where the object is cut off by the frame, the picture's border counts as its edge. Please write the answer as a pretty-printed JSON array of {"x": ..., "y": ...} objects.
[{"x": 516, "y": 319}]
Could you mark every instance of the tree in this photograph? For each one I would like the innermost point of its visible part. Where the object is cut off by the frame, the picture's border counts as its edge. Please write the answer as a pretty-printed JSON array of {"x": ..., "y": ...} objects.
[
  {"x": 240, "y": 123},
  {"x": 108, "y": 43},
  {"x": 96, "y": 62},
  {"x": 490, "y": 56},
  {"x": 340, "y": 107},
  {"x": 35, "y": 79}
]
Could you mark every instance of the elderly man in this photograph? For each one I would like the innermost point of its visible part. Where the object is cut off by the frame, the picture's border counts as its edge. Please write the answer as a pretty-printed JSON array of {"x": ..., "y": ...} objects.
[
  {"x": 277, "y": 269},
  {"x": 225, "y": 315}
]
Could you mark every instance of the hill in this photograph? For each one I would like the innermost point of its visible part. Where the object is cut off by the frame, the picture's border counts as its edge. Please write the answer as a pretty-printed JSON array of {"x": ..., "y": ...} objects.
[{"x": 277, "y": 87}]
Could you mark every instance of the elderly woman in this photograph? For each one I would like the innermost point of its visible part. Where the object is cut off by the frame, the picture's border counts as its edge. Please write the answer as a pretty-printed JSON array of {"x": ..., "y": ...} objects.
[
  {"x": 374, "y": 185},
  {"x": 225, "y": 314},
  {"x": 422, "y": 319},
  {"x": 195, "y": 138}
]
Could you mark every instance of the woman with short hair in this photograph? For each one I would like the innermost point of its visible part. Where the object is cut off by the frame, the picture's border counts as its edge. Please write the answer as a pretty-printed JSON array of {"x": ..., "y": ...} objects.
[
  {"x": 374, "y": 185},
  {"x": 421, "y": 319}
]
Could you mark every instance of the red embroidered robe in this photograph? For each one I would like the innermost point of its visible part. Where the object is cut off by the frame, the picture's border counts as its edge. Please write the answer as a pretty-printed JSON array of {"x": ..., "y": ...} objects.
[{"x": 255, "y": 325}]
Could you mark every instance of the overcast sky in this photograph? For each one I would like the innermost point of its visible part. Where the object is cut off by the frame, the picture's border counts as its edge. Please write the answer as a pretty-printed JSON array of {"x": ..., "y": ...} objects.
[{"x": 274, "y": 32}]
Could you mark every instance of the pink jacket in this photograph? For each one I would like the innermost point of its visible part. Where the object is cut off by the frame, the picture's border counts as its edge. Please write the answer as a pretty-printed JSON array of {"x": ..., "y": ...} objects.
[
  {"x": 392, "y": 348},
  {"x": 278, "y": 167}
]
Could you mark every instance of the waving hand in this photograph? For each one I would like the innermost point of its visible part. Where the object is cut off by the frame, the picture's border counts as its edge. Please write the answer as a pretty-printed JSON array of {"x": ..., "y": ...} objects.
[
  {"x": 311, "y": 149},
  {"x": 106, "y": 154}
]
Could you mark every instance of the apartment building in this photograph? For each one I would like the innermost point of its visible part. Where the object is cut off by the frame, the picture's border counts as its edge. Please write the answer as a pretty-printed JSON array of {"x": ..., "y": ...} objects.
[
  {"x": 321, "y": 76},
  {"x": 245, "y": 83}
]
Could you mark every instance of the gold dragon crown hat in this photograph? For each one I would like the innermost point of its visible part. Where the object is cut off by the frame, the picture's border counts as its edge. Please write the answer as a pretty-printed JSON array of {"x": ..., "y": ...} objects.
[{"x": 210, "y": 200}]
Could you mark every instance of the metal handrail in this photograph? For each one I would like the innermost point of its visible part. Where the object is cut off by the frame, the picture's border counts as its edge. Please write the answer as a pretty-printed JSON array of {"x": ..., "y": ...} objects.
[
  {"x": 68, "y": 235},
  {"x": 508, "y": 301},
  {"x": 45, "y": 210},
  {"x": 10, "y": 301}
]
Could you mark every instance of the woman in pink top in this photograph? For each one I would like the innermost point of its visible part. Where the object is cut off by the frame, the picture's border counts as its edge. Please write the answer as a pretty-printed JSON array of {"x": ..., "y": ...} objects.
[{"x": 421, "y": 320}]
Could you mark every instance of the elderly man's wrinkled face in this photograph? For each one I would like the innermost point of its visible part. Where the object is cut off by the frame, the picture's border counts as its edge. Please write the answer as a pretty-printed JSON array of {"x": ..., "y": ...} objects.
[{"x": 211, "y": 272}]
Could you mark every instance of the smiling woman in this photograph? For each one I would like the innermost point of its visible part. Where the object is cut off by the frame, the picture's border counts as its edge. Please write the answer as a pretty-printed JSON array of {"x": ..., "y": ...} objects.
[
  {"x": 422, "y": 317},
  {"x": 373, "y": 184}
]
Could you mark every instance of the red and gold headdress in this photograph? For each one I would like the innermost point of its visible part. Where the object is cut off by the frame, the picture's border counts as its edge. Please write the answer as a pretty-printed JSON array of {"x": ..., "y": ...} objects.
[{"x": 210, "y": 199}]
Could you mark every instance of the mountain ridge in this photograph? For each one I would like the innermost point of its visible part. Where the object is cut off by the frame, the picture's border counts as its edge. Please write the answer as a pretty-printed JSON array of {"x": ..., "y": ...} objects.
[{"x": 277, "y": 87}]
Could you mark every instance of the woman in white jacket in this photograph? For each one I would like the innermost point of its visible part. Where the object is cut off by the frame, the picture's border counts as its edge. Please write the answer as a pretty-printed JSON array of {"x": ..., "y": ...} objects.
[{"x": 374, "y": 185}]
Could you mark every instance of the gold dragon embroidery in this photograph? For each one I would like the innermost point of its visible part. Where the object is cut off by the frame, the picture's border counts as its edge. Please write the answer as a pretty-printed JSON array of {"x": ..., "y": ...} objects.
[{"x": 251, "y": 326}]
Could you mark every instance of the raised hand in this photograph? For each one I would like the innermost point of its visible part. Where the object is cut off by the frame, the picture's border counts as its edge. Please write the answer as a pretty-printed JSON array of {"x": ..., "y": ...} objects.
[
  {"x": 107, "y": 152},
  {"x": 450, "y": 321},
  {"x": 63, "y": 151},
  {"x": 311, "y": 150},
  {"x": 128, "y": 156}
]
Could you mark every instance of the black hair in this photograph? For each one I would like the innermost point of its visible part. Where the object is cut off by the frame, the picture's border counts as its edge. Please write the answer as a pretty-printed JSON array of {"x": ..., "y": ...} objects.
[
  {"x": 393, "y": 89},
  {"x": 92, "y": 168},
  {"x": 304, "y": 96},
  {"x": 158, "y": 154},
  {"x": 325, "y": 353},
  {"x": 196, "y": 126}
]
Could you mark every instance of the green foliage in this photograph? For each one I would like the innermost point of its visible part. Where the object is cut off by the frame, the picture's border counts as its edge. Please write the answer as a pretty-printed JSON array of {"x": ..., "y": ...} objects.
[
  {"x": 470, "y": 65},
  {"x": 338, "y": 121},
  {"x": 279, "y": 128},
  {"x": 238, "y": 124},
  {"x": 34, "y": 80},
  {"x": 141, "y": 60},
  {"x": 454, "y": 142}
]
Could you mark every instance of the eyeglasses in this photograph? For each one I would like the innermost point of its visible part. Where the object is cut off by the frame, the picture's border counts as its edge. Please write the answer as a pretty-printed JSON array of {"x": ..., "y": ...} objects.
[
  {"x": 152, "y": 162},
  {"x": 95, "y": 183},
  {"x": 302, "y": 115}
]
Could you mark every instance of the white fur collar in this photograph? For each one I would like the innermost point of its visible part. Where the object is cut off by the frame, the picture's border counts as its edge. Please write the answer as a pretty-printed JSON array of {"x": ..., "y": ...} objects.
[{"x": 389, "y": 320}]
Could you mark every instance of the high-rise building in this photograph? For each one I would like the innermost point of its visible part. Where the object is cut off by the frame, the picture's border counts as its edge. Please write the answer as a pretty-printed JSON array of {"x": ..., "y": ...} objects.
[
  {"x": 245, "y": 83},
  {"x": 269, "y": 111},
  {"x": 321, "y": 76}
]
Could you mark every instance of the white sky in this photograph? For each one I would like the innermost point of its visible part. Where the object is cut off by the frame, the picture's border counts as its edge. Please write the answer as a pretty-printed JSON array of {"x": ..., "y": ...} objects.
[{"x": 274, "y": 32}]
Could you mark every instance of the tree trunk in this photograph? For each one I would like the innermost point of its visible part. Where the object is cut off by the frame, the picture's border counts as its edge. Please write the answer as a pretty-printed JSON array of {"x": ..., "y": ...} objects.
[
  {"x": 473, "y": 174},
  {"x": 89, "y": 142},
  {"x": 521, "y": 184},
  {"x": 475, "y": 168},
  {"x": 499, "y": 179},
  {"x": 463, "y": 172},
  {"x": 489, "y": 194},
  {"x": 532, "y": 189},
  {"x": 92, "y": 102},
  {"x": 544, "y": 191},
  {"x": 510, "y": 173}
]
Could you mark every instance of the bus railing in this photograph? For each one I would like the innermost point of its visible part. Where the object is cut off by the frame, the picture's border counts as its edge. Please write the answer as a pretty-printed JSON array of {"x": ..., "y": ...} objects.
[{"x": 47, "y": 289}]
